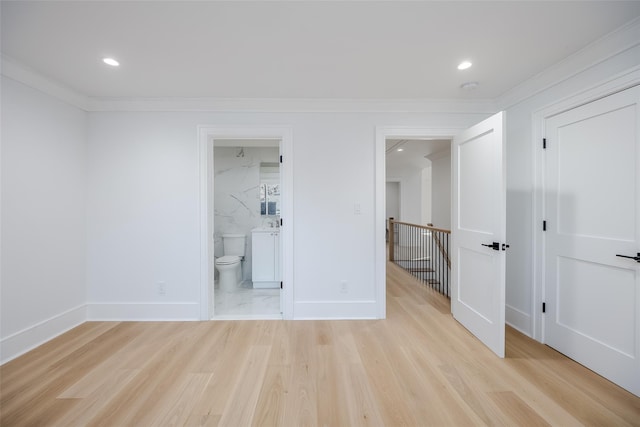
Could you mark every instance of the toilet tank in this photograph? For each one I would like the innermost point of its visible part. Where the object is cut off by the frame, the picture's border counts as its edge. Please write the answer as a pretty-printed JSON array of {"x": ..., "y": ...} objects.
[{"x": 234, "y": 244}]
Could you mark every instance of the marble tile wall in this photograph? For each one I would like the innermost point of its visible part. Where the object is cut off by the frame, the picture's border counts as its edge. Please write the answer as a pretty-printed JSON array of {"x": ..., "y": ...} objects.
[{"x": 237, "y": 194}]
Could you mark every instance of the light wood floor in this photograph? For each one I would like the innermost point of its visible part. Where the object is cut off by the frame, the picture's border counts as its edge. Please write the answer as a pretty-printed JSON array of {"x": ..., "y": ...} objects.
[{"x": 418, "y": 367}]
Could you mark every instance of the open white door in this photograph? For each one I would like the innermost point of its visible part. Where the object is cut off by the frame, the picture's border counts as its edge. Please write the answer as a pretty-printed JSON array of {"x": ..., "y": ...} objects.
[{"x": 478, "y": 231}]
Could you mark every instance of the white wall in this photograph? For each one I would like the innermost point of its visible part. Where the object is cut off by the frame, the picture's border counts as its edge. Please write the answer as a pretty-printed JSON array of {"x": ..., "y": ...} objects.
[
  {"x": 441, "y": 191},
  {"x": 520, "y": 179},
  {"x": 43, "y": 218},
  {"x": 427, "y": 189},
  {"x": 392, "y": 199},
  {"x": 143, "y": 216},
  {"x": 143, "y": 223},
  {"x": 411, "y": 191}
]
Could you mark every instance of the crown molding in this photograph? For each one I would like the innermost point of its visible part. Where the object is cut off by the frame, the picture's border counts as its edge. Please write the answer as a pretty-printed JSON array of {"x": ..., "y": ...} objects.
[
  {"x": 15, "y": 70},
  {"x": 294, "y": 105},
  {"x": 613, "y": 44}
]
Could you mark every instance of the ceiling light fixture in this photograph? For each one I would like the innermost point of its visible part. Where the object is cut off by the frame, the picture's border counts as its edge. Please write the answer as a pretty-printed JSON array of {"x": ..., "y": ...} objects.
[
  {"x": 400, "y": 149},
  {"x": 110, "y": 61},
  {"x": 464, "y": 65}
]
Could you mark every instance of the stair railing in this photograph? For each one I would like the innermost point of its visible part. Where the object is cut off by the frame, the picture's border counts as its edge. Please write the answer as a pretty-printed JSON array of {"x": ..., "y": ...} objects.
[{"x": 423, "y": 251}]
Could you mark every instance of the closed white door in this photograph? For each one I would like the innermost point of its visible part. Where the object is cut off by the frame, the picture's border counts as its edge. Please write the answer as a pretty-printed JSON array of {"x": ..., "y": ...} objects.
[
  {"x": 592, "y": 209},
  {"x": 478, "y": 231}
]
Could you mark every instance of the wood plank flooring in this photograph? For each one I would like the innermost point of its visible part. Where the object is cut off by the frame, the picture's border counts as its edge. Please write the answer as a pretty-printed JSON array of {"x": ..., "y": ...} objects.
[{"x": 416, "y": 368}]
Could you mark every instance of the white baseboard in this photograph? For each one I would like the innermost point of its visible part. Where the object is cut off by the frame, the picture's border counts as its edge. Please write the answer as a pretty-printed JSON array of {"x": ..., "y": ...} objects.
[
  {"x": 321, "y": 310},
  {"x": 266, "y": 285},
  {"x": 143, "y": 311},
  {"x": 29, "y": 338},
  {"x": 518, "y": 319}
]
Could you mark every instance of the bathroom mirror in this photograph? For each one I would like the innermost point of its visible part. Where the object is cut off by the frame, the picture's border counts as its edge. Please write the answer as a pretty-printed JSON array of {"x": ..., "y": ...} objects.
[{"x": 269, "y": 189}]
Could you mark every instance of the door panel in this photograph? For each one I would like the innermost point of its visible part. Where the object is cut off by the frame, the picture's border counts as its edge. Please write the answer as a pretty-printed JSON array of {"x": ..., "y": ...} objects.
[
  {"x": 477, "y": 183},
  {"x": 477, "y": 268},
  {"x": 592, "y": 199},
  {"x": 479, "y": 212},
  {"x": 579, "y": 283},
  {"x": 584, "y": 156}
]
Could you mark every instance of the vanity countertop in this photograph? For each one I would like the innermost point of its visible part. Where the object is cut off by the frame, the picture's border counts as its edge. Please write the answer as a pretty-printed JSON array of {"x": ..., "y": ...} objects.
[{"x": 265, "y": 229}]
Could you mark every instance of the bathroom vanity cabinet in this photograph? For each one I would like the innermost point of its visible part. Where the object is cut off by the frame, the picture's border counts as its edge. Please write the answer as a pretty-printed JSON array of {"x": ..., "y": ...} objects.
[{"x": 265, "y": 258}]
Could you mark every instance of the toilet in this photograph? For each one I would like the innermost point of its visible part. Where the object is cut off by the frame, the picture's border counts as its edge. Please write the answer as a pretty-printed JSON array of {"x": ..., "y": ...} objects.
[{"x": 230, "y": 265}]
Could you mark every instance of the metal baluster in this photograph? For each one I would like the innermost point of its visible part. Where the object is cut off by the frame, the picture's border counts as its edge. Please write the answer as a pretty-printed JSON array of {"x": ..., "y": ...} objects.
[
  {"x": 434, "y": 274},
  {"x": 439, "y": 264},
  {"x": 440, "y": 258},
  {"x": 438, "y": 270},
  {"x": 447, "y": 252}
]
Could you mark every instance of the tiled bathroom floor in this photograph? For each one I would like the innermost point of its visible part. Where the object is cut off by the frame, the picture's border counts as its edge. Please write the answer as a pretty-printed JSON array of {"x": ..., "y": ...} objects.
[{"x": 247, "y": 303}]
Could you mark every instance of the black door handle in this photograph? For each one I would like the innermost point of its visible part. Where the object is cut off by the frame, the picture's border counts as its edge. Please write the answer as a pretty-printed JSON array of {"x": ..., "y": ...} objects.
[
  {"x": 635, "y": 258},
  {"x": 495, "y": 246}
]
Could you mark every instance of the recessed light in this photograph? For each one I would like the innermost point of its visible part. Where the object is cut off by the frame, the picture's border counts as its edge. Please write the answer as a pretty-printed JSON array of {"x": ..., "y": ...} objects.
[
  {"x": 110, "y": 61},
  {"x": 469, "y": 85},
  {"x": 400, "y": 149},
  {"x": 464, "y": 65}
]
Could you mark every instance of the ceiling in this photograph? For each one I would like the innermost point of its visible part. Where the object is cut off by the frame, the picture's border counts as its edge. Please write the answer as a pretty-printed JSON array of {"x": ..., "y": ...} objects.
[
  {"x": 301, "y": 49},
  {"x": 413, "y": 153}
]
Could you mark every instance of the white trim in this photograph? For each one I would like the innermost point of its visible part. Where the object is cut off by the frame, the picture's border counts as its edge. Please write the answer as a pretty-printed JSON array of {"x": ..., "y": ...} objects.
[
  {"x": 248, "y": 317},
  {"x": 16, "y": 71},
  {"x": 285, "y": 105},
  {"x": 29, "y": 338},
  {"x": 613, "y": 44},
  {"x": 604, "y": 88},
  {"x": 206, "y": 136},
  {"x": 379, "y": 222},
  {"x": 336, "y": 310},
  {"x": 117, "y": 311}
]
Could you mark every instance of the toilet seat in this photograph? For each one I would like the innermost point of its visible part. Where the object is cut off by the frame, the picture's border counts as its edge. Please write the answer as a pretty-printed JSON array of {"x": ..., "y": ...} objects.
[{"x": 227, "y": 259}]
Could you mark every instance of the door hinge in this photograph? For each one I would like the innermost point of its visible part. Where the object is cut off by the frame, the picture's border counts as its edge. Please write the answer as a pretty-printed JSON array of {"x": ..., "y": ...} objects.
[
  {"x": 280, "y": 222},
  {"x": 544, "y": 307},
  {"x": 280, "y": 159},
  {"x": 544, "y": 143},
  {"x": 280, "y": 285},
  {"x": 544, "y": 225}
]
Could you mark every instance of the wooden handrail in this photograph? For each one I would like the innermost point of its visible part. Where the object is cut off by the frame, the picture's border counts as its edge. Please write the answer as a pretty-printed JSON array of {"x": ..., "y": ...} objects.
[
  {"x": 425, "y": 227},
  {"x": 444, "y": 253}
]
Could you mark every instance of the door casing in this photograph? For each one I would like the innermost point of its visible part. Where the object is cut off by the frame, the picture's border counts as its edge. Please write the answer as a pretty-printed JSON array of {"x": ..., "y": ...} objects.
[
  {"x": 382, "y": 134},
  {"x": 206, "y": 136},
  {"x": 601, "y": 90}
]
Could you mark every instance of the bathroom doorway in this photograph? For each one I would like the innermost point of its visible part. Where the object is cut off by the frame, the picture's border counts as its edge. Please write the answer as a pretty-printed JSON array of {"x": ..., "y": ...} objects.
[
  {"x": 246, "y": 235},
  {"x": 245, "y": 258}
]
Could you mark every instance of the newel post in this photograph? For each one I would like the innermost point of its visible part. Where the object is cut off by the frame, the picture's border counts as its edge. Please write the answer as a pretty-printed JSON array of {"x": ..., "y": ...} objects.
[{"x": 391, "y": 239}]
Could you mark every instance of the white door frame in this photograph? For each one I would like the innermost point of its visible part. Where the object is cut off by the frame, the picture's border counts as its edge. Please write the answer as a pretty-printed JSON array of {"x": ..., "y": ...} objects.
[
  {"x": 206, "y": 136},
  {"x": 607, "y": 87},
  {"x": 382, "y": 134}
]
